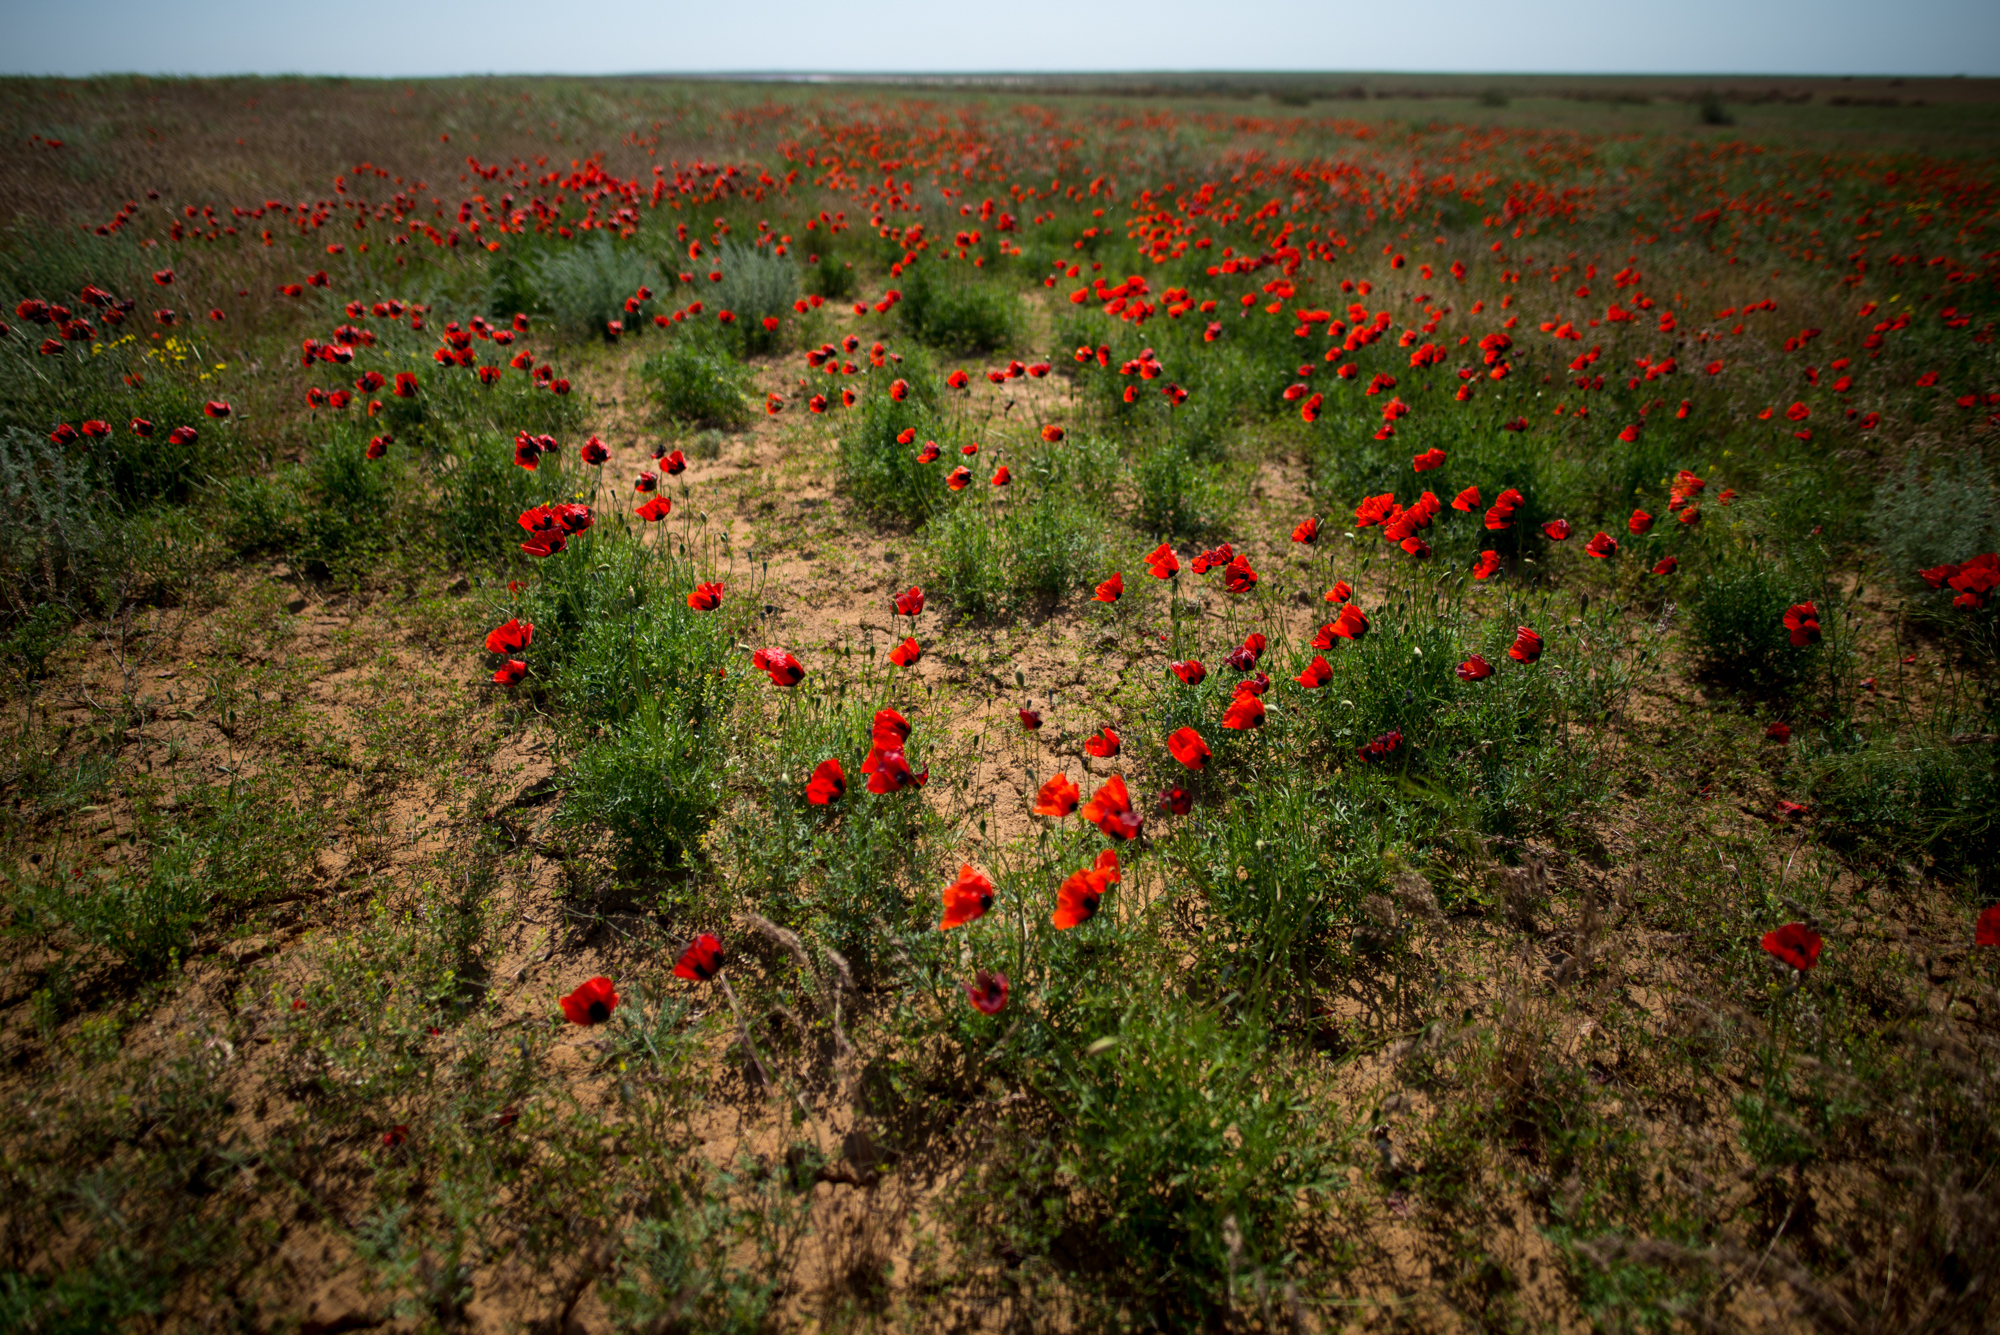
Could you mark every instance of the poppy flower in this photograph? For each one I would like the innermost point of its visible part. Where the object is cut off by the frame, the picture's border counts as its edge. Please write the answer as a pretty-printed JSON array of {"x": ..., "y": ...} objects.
[
  {"x": 1352, "y": 624},
  {"x": 1779, "y": 732},
  {"x": 395, "y": 1136},
  {"x": 216, "y": 408},
  {"x": 1475, "y": 668},
  {"x": 1239, "y": 577},
  {"x": 1602, "y": 546},
  {"x": 827, "y": 783},
  {"x": 1245, "y": 711},
  {"x": 1058, "y": 797},
  {"x": 1111, "y": 589},
  {"x": 510, "y": 673},
  {"x": 1986, "y": 931},
  {"x": 706, "y": 597},
  {"x": 958, "y": 478},
  {"x": 1486, "y": 566},
  {"x": 1103, "y": 746},
  {"x": 1796, "y": 944},
  {"x": 906, "y": 653},
  {"x": 1052, "y": 433},
  {"x": 899, "y": 389},
  {"x": 1001, "y": 476},
  {"x": 968, "y": 450},
  {"x": 958, "y": 379},
  {"x": 966, "y": 899},
  {"x": 1466, "y": 501},
  {"x": 1307, "y": 531},
  {"x": 1078, "y": 896},
  {"x": 511, "y": 638},
  {"x": 701, "y": 961},
  {"x": 783, "y": 669},
  {"x": 647, "y": 481},
  {"x": 987, "y": 992},
  {"x": 1163, "y": 563},
  {"x": 655, "y": 509},
  {"x": 141, "y": 427},
  {"x": 1500, "y": 515},
  {"x": 1190, "y": 671},
  {"x": 1557, "y": 529},
  {"x": 674, "y": 463},
  {"x": 1317, "y": 673},
  {"x": 1176, "y": 801},
  {"x": 1030, "y": 719},
  {"x": 1802, "y": 620},
  {"x": 1187, "y": 747},
  {"x": 1639, "y": 523},
  {"x": 1527, "y": 646},
  {"x": 1110, "y": 810},
  {"x": 1666, "y": 565},
  {"x": 1429, "y": 459},
  {"x": 888, "y": 770},
  {"x": 1380, "y": 749},
  {"x": 929, "y": 453},
  {"x": 163, "y": 276},
  {"x": 406, "y": 385},
  {"x": 593, "y": 1002},
  {"x": 1340, "y": 592}
]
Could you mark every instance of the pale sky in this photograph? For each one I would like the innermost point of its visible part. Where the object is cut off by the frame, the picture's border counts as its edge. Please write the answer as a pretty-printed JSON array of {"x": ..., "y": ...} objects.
[{"x": 367, "y": 37}]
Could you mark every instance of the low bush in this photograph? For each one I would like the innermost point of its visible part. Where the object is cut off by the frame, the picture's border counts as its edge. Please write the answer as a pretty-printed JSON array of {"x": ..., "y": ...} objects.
[
  {"x": 957, "y": 315},
  {"x": 694, "y": 381}
]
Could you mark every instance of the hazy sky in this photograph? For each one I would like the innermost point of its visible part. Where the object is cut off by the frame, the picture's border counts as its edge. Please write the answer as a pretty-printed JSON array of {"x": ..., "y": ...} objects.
[{"x": 367, "y": 37}]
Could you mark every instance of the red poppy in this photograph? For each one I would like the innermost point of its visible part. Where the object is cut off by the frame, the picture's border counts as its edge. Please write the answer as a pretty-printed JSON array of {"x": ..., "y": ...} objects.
[
  {"x": 702, "y": 959},
  {"x": 511, "y": 672},
  {"x": 1001, "y": 476},
  {"x": 655, "y": 509},
  {"x": 1374, "y": 509},
  {"x": 906, "y": 653},
  {"x": 1163, "y": 563},
  {"x": 1527, "y": 646},
  {"x": 1666, "y": 565},
  {"x": 1429, "y": 459},
  {"x": 1317, "y": 673},
  {"x": 674, "y": 462},
  {"x": 1639, "y": 523},
  {"x": 966, "y": 899},
  {"x": 1245, "y": 711},
  {"x": 910, "y": 604},
  {"x": 1802, "y": 620},
  {"x": 1779, "y": 732},
  {"x": 406, "y": 385},
  {"x": 395, "y": 1136},
  {"x": 1602, "y": 546},
  {"x": 958, "y": 380},
  {"x": 1352, "y": 624},
  {"x": 888, "y": 770},
  {"x": 827, "y": 784},
  {"x": 216, "y": 408},
  {"x": 1111, "y": 589},
  {"x": 1307, "y": 531},
  {"x": 706, "y": 597},
  {"x": 1030, "y": 719},
  {"x": 1557, "y": 529},
  {"x": 1052, "y": 433},
  {"x": 647, "y": 481},
  {"x": 1986, "y": 931},
  {"x": 1340, "y": 592},
  {"x": 594, "y": 451},
  {"x": 1188, "y": 748},
  {"x": 958, "y": 478},
  {"x": 1466, "y": 501},
  {"x": 163, "y": 276},
  {"x": 1475, "y": 668},
  {"x": 1380, "y": 749},
  {"x": 1796, "y": 944},
  {"x": 1058, "y": 797},
  {"x": 1078, "y": 896},
  {"x": 783, "y": 669},
  {"x": 141, "y": 427},
  {"x": 929, "y": 453},
  {"x": 1487, "y": 565},
  {"x": 591, "y": 1003},
  {"x": 1110, "y": 810},
  {"x": 1239, "y": 577},
  {"x": 1176, "y": 801},
  {"x": 987, "y": 992},
  {"x": 1191, "y": 671},
  {"x": 1103, "y": 746},
  {"x": 511, "y": 638},
  {"x": 1500, "y": 516}
]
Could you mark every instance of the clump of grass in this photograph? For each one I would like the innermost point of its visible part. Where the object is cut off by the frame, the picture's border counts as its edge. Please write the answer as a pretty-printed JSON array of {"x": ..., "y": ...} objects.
[
  {"x": 694, "y": 380},
  {"x": 957, "y": 315},
  {"x": 585, "y": 286}
]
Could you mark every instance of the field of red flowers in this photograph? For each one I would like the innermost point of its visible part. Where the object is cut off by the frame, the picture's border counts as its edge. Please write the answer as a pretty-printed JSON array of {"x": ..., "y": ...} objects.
[{"x": 686, "y": 706}]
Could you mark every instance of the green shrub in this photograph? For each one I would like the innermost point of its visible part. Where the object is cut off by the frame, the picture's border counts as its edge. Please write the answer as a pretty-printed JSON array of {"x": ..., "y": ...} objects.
[
  {"x": 1919, "y": 521},
  {"x": 351, "y": 494},
  {"x": 883, "y": 473},
  {"x": 756, "y": 285},
  {"x": 1736, "y": 621},
  {"x": 585, "y": 286},
  {"x": 55, "y": 536},
  {"x": 987, "y": 560},
  {"x": 1178, "y": 497},
  {"x": 692, "y": 380},
  {"x": 832, "y": 277},
  {"x": 481, "y": 493},
  {"x": 957, "y": 314}
]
